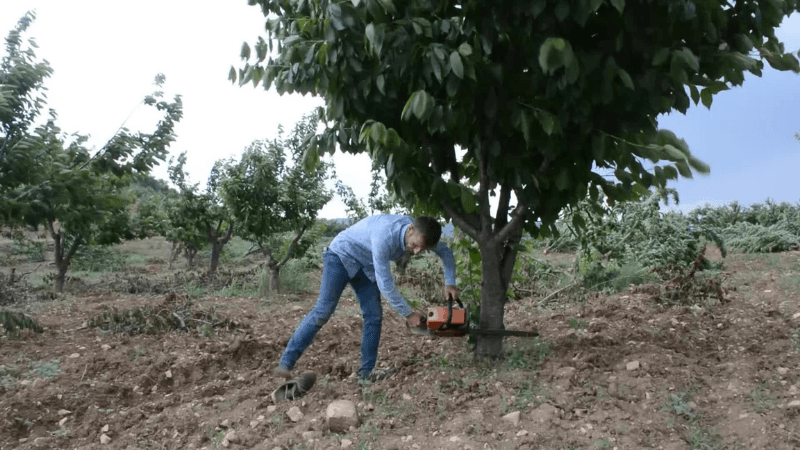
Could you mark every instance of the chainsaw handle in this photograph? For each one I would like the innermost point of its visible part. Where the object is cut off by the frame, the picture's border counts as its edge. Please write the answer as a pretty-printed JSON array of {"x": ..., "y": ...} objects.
[{"x": 446, "y": 325}]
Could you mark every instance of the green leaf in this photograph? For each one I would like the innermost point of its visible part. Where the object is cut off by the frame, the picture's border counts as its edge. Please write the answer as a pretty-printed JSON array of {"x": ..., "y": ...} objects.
[
  {"x": 687, "y": 57},
  {"x": 695, "y": 93},
  {"x": 661, "y": 56},
  {"x": 231, "y": 75},
  {"x": 673, "y": 153},
  {"x": 699, "y": 166},
  {"x": 474, "y": 255},
  {"x": 707, "y": 96},
  {"x": 562, "y": 180},
  {"x": 683, "y": 169},
  {"x": 562, "y": 10},
  {"x": 407, "y": 109},
  {"x": 381, "y": 82},
  {"x": 619, "y": 4},
  {"x": 456, "y": 65},
  {"x": 388, "y": 5},
  {"x": 525, "y": 127},
  {"x": 551, "y": 54},
  {"x": 547, "y": 120},
  {"x": 370, "y": 32},
  {"x": 626, "y": 79},
  {"x": 465, "y": 49},
  {"x": 537, "y": 7},
  {"x": 245, "y": 53},
  {"x": 356, "y": 3}
]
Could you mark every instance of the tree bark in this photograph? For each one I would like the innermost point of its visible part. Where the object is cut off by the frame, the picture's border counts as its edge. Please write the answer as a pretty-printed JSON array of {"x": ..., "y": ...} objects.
[
  {"x": 217, "y": 244},
  {"x": 493, "y": 301},
  {"x": 190, "y": 252},
  {"x": 274, "y": 278},
  {"x": 63, "y": 258}
]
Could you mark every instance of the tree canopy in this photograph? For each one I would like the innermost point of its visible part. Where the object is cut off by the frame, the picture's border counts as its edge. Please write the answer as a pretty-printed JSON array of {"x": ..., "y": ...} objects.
[{"x": 549, "y": 100}]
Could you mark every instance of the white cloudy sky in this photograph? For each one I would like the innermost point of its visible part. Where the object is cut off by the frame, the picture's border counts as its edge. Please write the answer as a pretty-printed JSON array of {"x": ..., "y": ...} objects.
[{"x": 105, "y": 55}]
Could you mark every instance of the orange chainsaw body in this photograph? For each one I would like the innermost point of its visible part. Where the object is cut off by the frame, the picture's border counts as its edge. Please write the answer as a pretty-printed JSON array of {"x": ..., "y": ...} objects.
[{"x": 437, "y": 321}]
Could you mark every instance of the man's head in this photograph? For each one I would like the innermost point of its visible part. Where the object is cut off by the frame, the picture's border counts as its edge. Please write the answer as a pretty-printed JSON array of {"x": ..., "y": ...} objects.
[{"x": 423, "y": 234}]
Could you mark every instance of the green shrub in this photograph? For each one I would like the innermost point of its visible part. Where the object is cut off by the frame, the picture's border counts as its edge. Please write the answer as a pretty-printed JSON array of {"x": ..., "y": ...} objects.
[
  {"x": 34, "y": 251},
  {"x": 294, "y": 277},
  {"x": 98, "y": 258},
  {"x": 745, "y": 237}
]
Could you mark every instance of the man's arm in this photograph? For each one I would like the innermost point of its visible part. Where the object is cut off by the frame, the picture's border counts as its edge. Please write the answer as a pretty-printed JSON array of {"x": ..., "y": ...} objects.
[
  {"x": 383, "y": 276},
  {"x": 449, "y": 263}
]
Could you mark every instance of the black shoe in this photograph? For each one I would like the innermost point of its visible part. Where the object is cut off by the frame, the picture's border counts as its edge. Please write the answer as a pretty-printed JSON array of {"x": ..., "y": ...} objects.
[
  {"x": 377, "y": 375},
  {"x": 295, "y": 388}
]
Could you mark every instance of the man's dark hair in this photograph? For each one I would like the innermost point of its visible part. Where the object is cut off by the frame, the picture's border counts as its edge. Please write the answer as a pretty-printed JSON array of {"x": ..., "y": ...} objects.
[{"x": 430, "y": 228}]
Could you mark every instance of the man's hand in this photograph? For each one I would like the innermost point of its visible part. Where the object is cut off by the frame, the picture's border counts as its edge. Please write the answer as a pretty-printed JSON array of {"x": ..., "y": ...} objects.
[
  {"x": 451, "y": 293},
  {"x": 415, "y": 320}
]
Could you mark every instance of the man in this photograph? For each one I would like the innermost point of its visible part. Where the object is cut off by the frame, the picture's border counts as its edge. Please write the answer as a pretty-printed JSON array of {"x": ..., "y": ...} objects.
[{"x": 360, "y": 256}]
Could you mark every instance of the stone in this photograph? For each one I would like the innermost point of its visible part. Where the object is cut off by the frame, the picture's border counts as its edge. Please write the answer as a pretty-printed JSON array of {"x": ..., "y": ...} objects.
[
  {"x": 794, "y": 404},
  {"x": 254, "y": 423},
  {"x": 544, "y": 413},
  {"x": 341, "y": 415},
  {"x": 104, "y": 439},
  {"x": 75, "y": 355},
  {"x": 168, "y": 374},
  {"x": 232, "y": 437},
  {"x": 297, "y": 308},
  {"x": 407, "y": 397},
  {"x": 294, "y": 414},
  {"x": 783, "y": 370},
  {"x": 64, "y": 412},
  {"x": 225, "y": 423},
  {"x": 512, "y": 418},
  {"x": 105, "y": 428},
  {"x": 63, "y": 421},
  {"x": 105, "y": 347},
  {"x": 633, "y": 365},
  {"x": 454, "y": 439},
  {"x": 271, "y": 408},
  {"x": 40, "y": 441},
  {"x": 347, "y": 443},
  {"x": 521, "y": 433}
]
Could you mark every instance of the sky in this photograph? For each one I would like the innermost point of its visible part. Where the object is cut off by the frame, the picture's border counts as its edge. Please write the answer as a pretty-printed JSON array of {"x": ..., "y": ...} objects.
[{"x": 105, "y": 56}]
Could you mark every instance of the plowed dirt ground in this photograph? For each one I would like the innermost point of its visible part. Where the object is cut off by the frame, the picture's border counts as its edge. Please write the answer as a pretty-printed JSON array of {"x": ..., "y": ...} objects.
[{"x": 614, "y": 372}]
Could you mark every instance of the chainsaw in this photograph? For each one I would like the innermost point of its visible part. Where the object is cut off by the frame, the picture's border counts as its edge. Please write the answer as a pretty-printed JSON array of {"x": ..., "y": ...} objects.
[{"x": 450, "y": 322}]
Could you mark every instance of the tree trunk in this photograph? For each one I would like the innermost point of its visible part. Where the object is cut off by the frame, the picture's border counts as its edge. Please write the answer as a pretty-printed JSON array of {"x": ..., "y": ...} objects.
[
  {"x": 63, "y": 258},
  {"x": 189, "y": 253},
  {"x": 275, "y": 279},
  {"x": 61, "y": 277},
  {"x": 216, "y": 250},
  {"x": 493, "y": 302}
]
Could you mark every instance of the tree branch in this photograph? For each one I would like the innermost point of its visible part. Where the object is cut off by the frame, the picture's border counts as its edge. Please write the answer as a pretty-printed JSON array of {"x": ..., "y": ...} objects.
[
  {"x": 501, "y": 218},
  {"x": 517, "y": 219},
  {"x": 73, "y": 248},
  {"x": 461, "y": 221},
  {"x": 483, "y": 192},
  {"x": 292, "y": 245},
  {"x": 228, "y": 234}
]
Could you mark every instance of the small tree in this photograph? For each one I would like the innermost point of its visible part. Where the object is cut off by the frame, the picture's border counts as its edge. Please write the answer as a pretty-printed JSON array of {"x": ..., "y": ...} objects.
[
  {"x": 52, "y": 179},
  {"x": 545, "y": 99},
  {"x": 271, "y": 195},
  {"x": 197, "y": 218}
]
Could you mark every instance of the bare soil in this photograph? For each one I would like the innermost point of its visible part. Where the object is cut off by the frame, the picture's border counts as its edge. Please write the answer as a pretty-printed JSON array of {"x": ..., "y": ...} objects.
[{"x": 617, "y": 372}]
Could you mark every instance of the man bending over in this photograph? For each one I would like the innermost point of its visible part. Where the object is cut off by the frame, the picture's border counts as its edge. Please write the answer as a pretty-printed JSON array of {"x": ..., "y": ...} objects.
[{"x": 360, "y": 256}]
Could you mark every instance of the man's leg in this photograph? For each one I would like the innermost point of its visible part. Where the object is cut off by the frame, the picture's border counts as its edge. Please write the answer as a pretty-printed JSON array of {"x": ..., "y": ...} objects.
[
  {"x": 334, "y": 279},
  {"x": 369, "y": 296}
]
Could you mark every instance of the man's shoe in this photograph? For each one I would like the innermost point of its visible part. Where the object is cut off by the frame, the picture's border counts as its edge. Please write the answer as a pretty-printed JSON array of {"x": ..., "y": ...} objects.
[
  {"x": 294, "y": 389},
  {"x": 282, "y": 372},
  {"x": 377, "y": 375}
]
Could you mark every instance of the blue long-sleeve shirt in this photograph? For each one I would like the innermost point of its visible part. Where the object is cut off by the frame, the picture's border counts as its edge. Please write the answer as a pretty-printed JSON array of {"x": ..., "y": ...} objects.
[{"x": 371, "y": 243}]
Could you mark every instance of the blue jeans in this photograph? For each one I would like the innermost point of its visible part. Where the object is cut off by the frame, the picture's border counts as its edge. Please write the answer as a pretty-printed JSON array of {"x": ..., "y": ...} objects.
[{"x": 334, "y": 280}]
